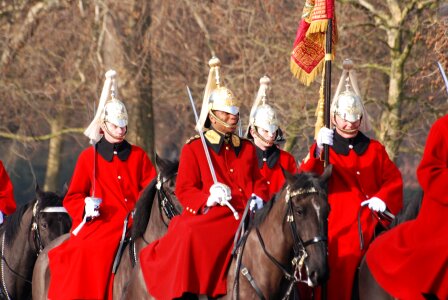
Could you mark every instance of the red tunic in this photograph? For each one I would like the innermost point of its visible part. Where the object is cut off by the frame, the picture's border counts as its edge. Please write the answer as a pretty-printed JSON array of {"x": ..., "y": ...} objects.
[
  {"x": 273, "y": 171},
  {"x": 412, "y": 258},
  {"x": 355, "y": 178},
  {"x": 81, "y": 267},
  {"x": 194, "y": 254},
  {"x": 7, "y": 202}
]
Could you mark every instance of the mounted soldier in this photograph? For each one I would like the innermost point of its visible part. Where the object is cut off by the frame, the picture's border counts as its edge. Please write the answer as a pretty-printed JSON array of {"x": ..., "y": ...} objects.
[
  {"x": 104, "y": 188},
  {"x": 7, "y": 202},
  {"x": 363, "y": 176},
  {"x": 192, "y": 258},
  {"x": 411, "y": 260},
  {"x": 264, "y": 131}
]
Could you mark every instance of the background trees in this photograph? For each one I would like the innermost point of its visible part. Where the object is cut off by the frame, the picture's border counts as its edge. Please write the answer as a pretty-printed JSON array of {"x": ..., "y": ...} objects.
[{"x": 54, "y": 55}]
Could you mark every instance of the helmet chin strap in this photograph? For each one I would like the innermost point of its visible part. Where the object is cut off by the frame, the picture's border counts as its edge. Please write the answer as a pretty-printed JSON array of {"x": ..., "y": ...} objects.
[
  {"x": 268, "y": 143},
  {"x": 227, "y": 125},
  {"x": 347, "y": 131},
  {"x": 115, "y": 136}
]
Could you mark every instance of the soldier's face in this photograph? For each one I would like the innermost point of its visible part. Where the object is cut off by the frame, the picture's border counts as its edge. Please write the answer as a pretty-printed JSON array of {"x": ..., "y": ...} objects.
[
  {"x": 230, "y": 120},
  {"x": 345, "y": 128},
  {"x": 264, "y": 139},
  {"x": 113, "y": 133}
]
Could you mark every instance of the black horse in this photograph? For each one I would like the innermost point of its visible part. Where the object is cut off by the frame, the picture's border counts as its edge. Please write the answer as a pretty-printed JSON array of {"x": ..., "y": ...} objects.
[{"x": 23, "y": 236}]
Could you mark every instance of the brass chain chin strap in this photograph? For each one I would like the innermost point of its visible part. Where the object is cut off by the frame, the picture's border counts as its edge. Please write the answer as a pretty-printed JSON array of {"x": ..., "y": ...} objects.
[
  {"x": 258, "y": 135},
  {"x": 221, "y": 121}
]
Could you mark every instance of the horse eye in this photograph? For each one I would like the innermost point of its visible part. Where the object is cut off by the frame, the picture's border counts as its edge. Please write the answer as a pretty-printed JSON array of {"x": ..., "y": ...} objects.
[
  {"x": 300, "y": 211},
  {"x": 44, "y": 225}
]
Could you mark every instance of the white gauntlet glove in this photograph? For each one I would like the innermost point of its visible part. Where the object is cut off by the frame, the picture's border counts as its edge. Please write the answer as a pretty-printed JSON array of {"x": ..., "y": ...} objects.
[
  {"x": 1, "y": 217},
  {"x": 256, "y": 203},
  {"x": 324, "y": 136},
  {"x": 375, "y": 204},
  {"x": 92, "y": 208},
  {"x": 219, "y": 192}
]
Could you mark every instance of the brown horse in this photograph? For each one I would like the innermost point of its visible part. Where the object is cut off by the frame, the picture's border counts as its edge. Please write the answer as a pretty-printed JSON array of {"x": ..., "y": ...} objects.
[
  {"x": 23, "y": 236},
  {"x": 154, "y": 210},
  {"x": 285, "y": 240},
  {"x": 369, "y": 289}
]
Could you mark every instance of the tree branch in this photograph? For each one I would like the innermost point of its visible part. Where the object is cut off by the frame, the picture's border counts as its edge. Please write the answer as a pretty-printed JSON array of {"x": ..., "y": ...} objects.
[{"x": 25, "y": 138}]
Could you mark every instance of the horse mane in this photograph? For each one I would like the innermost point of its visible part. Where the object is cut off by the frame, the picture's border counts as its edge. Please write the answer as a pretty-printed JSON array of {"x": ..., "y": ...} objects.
[
  {"x": 13, "y": 223},
  {"x": 304, "y": 180},
  {"x": 143, "y": 210},
  {"x": 410, "y": 211},
  {"x": 145, "y": 202}
]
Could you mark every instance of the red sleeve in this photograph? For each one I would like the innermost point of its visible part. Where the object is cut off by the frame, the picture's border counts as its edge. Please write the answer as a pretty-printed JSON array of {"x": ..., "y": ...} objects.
[
  {"x": 79, "y": 187},
  {"x": 391, "y": 191},
  {"x": 432, "y": 173},
  {"x": 311, "y": 163},
  {"x": 7, "y": 202},
  {"x": 148, "y": 172},
  {"x": 189, "y": 183}
]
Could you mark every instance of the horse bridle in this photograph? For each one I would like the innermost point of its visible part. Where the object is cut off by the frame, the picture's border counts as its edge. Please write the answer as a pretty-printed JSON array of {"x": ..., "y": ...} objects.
[
  {"x": 37, "y": 243},
  {"x": 166, "y": 206},
  {"x": 39, "y": 246},
  {"x": 299, "y": 247}
]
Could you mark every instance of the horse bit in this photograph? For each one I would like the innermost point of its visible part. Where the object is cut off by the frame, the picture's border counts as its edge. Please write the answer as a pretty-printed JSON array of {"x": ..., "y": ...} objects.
[{"x": 37, "y": 243}]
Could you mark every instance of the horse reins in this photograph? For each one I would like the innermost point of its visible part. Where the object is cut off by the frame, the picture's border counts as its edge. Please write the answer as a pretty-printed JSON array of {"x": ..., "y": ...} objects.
[
  {"x": 37, "y": 244},
  {"x": 299, "y": 247},
  {"x": 165, "y": 203}
]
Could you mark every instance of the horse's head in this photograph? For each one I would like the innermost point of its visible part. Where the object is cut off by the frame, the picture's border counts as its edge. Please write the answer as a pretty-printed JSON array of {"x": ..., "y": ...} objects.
[
  {"x": 307, "y": 213},
  {"x": 50, "y": 219}
]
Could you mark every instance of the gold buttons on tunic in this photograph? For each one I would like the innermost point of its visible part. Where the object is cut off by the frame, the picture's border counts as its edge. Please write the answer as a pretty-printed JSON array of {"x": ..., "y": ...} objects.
[
  {"x": 268, "y": 182},
  {"x": 119, "y": 177},
  {"x": 231, "y": 170}
]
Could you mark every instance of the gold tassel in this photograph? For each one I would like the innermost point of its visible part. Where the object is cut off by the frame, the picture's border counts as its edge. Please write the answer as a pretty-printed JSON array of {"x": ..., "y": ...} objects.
[{"x": 320, "y": 109}]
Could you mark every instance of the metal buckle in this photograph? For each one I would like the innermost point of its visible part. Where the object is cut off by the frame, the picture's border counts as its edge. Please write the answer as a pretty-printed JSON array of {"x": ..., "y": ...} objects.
[{"x": 244, "y": 271}]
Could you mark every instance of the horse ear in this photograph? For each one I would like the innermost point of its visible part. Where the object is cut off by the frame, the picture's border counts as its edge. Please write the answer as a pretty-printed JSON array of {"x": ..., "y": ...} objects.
[
  {"x": 288, "y": 176},
  {"x": 161, "y": 164},
  {"x": 64, "y": 190},
  {"x": 326, "y": 174}
]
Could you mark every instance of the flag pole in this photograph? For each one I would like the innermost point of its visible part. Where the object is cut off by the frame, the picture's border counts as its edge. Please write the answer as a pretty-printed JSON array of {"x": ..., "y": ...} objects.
[
  {"x": 327, "y": 87},
  {"x": 327, "y": 95}
]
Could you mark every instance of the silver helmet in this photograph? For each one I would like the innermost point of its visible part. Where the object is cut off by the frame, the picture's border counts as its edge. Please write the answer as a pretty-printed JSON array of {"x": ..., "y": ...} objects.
[
  {"x": 263, "y": 115},
  {"x": 109, "y": 109}
]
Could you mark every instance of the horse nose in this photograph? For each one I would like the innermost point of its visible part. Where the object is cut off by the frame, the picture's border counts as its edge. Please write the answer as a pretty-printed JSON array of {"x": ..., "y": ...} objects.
[{"x": 316, "y": 278}]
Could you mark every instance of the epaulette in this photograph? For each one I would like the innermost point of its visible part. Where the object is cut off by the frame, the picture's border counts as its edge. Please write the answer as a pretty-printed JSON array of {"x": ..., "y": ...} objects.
[{"x": 192, "y": 139}]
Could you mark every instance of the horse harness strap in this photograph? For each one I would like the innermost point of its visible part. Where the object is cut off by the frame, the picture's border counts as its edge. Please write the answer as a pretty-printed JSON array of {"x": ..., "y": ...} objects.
[
  {"x": 166, "y": 207},
  {"x": 252, "y": 282},
  {"x": 123, "y": 242},
  {"x": 165, "y": 203}
]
